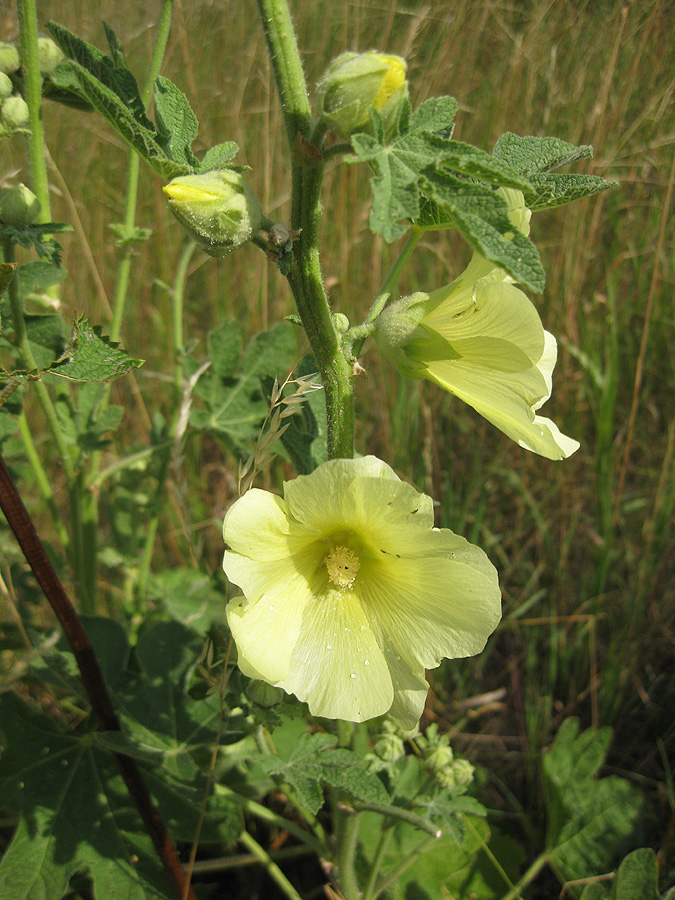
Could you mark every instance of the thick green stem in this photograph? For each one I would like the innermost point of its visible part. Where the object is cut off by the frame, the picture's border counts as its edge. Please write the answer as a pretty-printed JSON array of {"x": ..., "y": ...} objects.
[
  {"x": 32, "y": 85},
  {"x": 288, "y": 72},
  {"x": 305, "y": 276},
  {"x": 348, "y": 838}
]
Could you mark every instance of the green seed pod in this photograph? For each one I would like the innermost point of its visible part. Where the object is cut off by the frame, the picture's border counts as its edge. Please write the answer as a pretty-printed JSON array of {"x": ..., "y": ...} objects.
[
  {"x": 14, "y": 115},
  {"x": 6, "y": 86},
  {"x": 217, "y": 208},
  {"x": 355, "y": 83},
  {"x": 19, "y": 206},
  {"x": 49, "y": 55},
  {"x": 9, "y": 58}
]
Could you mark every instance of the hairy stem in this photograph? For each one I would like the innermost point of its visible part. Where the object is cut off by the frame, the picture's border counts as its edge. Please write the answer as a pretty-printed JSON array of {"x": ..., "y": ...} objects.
[
  {"x": 305, "y": 277},
  {"x": 32, "y": 82},
  {"x": 347, "y": 842}
]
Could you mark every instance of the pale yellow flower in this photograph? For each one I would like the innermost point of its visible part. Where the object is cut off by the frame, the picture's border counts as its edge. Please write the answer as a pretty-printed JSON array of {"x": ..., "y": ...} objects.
[
  {"x": 350, "y": 593},
  {"x": 481, "y": 339}
]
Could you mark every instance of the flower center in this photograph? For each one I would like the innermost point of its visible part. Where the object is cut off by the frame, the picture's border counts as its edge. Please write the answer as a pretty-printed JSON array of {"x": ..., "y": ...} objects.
[{"x": 342, "y": 565}]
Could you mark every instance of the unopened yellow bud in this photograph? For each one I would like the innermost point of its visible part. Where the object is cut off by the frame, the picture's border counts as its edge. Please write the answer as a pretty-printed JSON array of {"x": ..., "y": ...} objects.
[
  {"x": 355, "y": 83},
  {"x": 218, "y": 209}
]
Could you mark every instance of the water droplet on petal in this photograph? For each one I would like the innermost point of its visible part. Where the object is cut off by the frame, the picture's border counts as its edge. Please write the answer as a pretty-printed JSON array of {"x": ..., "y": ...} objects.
[
  {"x": 366, "y": 662},
  {"x": 353, "y": 674},
  {"x": 328, "y": 647}
]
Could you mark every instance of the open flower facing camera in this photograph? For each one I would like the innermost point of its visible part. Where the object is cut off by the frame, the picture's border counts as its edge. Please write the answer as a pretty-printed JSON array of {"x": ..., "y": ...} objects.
[
  {"x": 481, "y": 338},
  {"x": 350, "y": 591}
]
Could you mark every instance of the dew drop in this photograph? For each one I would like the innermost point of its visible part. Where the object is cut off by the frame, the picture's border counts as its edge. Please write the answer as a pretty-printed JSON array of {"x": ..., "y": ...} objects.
[
  {"x": 353, "y": 674},
  {"x": 366, "y": 662},
  {"x": 329, "y": 647},
  {"x": 271, "y": 607},
  {"x": 347, "y": 629}
]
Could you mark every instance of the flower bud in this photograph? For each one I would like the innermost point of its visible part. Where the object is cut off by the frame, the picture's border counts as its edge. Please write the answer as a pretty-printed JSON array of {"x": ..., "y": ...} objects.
[
  {"x": 389, "y": 745},
  {"x": 19, "y": 206},
  {"x": 355, "y": 83},
  {"x": 49, "y": 55},
  {"x": 6, "y": 86},
  {"x": 218, "y": 209},
  {"x": 14, "y": 115},
  {"x": 462, "y": 772},
  {"x": 9, "y": 58}
]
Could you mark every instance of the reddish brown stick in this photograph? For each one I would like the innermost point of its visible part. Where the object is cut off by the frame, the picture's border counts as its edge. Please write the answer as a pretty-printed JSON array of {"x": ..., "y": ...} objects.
[{"x": 90, "y": 671}]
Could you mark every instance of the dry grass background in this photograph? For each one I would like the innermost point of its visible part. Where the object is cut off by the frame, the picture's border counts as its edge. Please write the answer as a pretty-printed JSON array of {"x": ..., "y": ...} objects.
[{"x": 586, "y": 548}]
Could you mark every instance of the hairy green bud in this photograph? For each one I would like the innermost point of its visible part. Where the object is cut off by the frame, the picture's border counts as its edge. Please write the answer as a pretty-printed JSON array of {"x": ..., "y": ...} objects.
[
  {"x": 217, "y": 208},
  {"x": 6, "y": 86},
  {"x": 355, "y": 83},
  {"x": 14, "y": 115},
  {"x": 19, "y": 206},
  {"x": 9, "y": 58},
  {"x": 49, "y": 55}
]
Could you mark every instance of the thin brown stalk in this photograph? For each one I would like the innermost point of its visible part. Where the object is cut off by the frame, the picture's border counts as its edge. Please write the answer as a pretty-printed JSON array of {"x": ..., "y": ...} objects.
[{"x": 90, "y": 672}]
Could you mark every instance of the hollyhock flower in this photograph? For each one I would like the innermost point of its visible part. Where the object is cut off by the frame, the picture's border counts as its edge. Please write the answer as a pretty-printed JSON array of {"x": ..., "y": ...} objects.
[
  {"x": 481, "y": 339},
  {"x": 350, "y": 592}
]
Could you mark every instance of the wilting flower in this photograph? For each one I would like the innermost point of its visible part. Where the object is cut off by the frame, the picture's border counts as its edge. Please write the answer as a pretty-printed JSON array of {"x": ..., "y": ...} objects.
[
  {"x": 355, "y": 83},
  {"x": 350, "y": 592},
  {"x": 481, "y": 338}
]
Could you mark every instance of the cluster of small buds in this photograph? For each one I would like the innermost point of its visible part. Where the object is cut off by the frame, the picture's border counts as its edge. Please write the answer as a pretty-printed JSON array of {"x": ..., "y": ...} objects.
[
  {"x": 13, "y": 109},
  {"x": 14, "y": 114},
  {"x": 388, "y": 748},
  {"x": 439, "y": 760}
]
